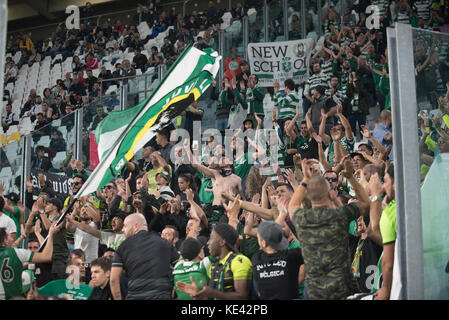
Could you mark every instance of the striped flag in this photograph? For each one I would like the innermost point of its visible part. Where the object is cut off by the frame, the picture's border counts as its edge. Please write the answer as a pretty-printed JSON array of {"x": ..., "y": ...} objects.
[{"x": 123, "y": 133}]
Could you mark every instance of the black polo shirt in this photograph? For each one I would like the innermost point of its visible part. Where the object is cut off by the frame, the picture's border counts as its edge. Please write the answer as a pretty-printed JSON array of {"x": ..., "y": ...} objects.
[{"x": 146, "y": 259}]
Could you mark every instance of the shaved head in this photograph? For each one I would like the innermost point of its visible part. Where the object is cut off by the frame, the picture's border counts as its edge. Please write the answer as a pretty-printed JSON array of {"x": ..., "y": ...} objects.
[
  {"x": 133, "y": 224},
  {"x": 371, "y": 169},
  {"x": 318, "y": 189}
]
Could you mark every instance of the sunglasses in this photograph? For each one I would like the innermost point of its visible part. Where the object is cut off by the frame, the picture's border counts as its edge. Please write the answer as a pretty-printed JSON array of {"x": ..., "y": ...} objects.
[
  {"x": 77, "y": 183},
  {"x": 108, "y": 187},
  {"x": 332, "y": 179}
]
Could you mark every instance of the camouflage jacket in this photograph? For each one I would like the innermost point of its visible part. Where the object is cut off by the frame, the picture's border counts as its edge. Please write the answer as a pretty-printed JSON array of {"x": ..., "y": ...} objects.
[{"x": 323, "y": 234}]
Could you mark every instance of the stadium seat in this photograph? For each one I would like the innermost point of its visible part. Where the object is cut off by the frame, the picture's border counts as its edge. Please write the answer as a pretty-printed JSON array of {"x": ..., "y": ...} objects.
[
  {"x": 59, "y": 158},
  {"x": 252, "y": 15},
  {"x": 44, "y": 141},
  {"x": 6, "y": 171},
  {"x": 26, "y": 126},
  {"x": 62, "y": 129},
  {"x": 144, "y": 30},
  {"x": 111, "y": 89}
]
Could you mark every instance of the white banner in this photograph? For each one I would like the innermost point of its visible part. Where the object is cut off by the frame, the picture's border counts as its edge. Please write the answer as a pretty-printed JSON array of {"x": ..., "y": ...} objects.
[{"x": 280, "y": 61}]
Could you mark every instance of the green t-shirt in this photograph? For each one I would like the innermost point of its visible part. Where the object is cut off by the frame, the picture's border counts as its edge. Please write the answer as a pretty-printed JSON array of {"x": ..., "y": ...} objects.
[
  {"x": 248, "y": 245},
  {"x": 183, "y": 270},
  {"x": 11, "y": 260},
  {"x": 347, "y": 144},
  {"x": 206, "y": 193},
  {"x": 294, "y": 245},
  {"x": 242, "y": 165},
  {"x": 64, "y": 286}
]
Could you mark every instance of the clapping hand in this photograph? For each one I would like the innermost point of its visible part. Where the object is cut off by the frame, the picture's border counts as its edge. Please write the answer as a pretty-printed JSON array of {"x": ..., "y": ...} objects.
[
  {"x": 233, "y": 208},
  {"x": 348, "y": 172},
  {"x": 365, "y": 132}
]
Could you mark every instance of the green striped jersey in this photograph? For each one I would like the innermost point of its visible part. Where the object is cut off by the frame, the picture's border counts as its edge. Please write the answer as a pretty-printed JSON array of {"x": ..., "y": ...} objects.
[
  {"x": 442, "y": 49},
  {"x": 403, "y": 17},
  {"x": 369, "y": 58},
  {"x": 381, "y": 5},
  {"x": 347, "y": 144},
  {"x": 287, "y": 104},
  {"x": 327, "y": 67},
  {"x": 422, "y": 9},
  {"x": 327, "y": 31},
  {"x": 315, "y": 80}
]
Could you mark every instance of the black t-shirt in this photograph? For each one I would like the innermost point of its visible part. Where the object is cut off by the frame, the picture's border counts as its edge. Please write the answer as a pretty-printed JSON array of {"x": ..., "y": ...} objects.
[
  {"x": 146, "y": 258},
  {"x": 308, "y": 149},
  {"x": 369, "y": 257},
  {"x": 276, "y": 275},
  {"x": 101, "y": 294}
]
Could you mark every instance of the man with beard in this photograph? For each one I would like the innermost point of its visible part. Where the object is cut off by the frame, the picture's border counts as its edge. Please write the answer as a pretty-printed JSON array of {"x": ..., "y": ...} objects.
[
  {"x": 78, "y": 182},
  {"x": 110, "y": 239},
  {"x": 83, "y": 240}
]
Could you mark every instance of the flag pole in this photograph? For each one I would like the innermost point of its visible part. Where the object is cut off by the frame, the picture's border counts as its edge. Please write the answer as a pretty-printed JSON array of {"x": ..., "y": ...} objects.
[{"x": 61, "y": 218}]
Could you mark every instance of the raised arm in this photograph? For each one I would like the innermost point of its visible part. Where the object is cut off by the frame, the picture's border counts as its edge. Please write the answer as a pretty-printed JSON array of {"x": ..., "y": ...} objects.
[
  {"x": 198, "y": 210},
  {"x": 84, "y": 227},
  {"x": 323, "y": 135},
  {"x": 267, "y": 214},
  {"x": 360, "y": 192},
  {"x": 300, "y": 192},
  {"x": 374, "y": 188},
  {"x": 344, "y": 122}
]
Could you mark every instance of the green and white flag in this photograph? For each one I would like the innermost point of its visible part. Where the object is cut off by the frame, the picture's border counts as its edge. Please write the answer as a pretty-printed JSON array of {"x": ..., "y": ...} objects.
[
  {"x": 123, "y": 133},
  {"x": 280, "y": 61}
]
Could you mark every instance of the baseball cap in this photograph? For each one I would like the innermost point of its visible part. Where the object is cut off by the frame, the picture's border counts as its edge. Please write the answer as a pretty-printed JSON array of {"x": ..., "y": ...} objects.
[
  {"x": 190, "y": 248},
  {"x": 165, "y": 175},
  {"x": 228, "y": 234},
  {"x": 56, "y": 202},
  {"x": 271, "y": 232},
  {"x": 14, "y": 197},
  {"x": 120, "y": 214},
  {"x": 27, "y": 280}
]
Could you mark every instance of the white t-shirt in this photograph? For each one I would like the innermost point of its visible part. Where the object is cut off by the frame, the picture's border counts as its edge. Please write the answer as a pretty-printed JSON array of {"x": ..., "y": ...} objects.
[
  {"x": 24, "y": 255},
  {"x": 112, "y": 239},
  {"x": 7, "y": 223},
  {"x": 87, "y": 242}
]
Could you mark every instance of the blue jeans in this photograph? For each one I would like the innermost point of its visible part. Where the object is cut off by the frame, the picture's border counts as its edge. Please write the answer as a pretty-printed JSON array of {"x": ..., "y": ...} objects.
[{"x": 221, "y": 124}]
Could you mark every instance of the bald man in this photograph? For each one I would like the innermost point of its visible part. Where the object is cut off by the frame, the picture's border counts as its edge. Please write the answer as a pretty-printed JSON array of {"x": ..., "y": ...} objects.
[
  {"x": 146, "y": 258},
  {"x": 323, "y": 234},
  {"x": 371, "y": 169},
  {"x": 133, "y": 224}
]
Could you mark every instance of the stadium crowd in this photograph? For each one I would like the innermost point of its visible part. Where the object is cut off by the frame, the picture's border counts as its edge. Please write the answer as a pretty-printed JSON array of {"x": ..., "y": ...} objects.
[{"x": 316, "y": 219}]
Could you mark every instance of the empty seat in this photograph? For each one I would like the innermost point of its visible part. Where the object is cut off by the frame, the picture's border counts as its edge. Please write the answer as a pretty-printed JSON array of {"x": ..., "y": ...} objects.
[
  {"x": 44, "y": 141},
  {"x": 59, "y": 158}
]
